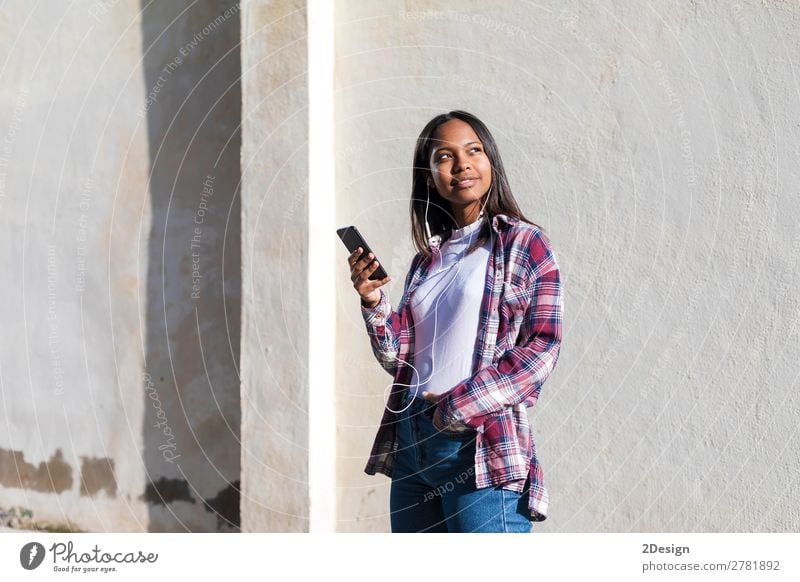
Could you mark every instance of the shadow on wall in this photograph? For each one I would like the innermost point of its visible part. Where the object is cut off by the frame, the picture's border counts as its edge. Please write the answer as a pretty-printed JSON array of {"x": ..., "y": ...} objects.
[{"x": 191, "y": 441}]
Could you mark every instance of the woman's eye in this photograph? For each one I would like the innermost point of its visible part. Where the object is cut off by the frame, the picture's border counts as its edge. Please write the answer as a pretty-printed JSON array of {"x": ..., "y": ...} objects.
[{"x": 442, "y": 156}]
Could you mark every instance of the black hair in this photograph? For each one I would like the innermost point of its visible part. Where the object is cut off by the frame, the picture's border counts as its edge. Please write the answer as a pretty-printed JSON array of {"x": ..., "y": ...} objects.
[{"x": 440, "y": 218}]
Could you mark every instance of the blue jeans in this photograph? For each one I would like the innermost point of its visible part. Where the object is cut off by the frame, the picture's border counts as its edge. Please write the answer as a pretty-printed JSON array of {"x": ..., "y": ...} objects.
[{"x": 433, "y": 482}]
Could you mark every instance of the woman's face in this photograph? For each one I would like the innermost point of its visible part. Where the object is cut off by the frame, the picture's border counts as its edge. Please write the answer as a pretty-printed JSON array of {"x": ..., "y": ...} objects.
[{"x": 459, "y": 165}]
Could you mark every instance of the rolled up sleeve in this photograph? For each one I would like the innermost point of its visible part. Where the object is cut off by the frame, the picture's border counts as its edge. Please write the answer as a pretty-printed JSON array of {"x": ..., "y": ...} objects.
[{"x": 384, "y": 326}]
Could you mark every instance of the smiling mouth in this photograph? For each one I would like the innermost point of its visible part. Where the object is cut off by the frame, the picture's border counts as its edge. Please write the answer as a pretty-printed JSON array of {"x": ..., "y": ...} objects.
[{"x": 464, "y": 183}]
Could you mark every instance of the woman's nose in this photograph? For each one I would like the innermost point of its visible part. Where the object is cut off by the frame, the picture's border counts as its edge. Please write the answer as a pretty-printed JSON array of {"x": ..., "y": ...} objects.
[{"x": 460, "y": 165}]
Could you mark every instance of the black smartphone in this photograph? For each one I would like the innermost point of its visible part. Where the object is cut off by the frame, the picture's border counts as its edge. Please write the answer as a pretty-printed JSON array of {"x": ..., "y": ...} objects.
[{"x": 352, "y": 239}]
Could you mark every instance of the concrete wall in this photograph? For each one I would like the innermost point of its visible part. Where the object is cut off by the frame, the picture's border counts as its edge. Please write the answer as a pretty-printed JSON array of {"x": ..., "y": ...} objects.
[
  {"x": 657, "y": 145},
  {"x": 275, "y": 356},
  {"x": 118, "y": 175}
]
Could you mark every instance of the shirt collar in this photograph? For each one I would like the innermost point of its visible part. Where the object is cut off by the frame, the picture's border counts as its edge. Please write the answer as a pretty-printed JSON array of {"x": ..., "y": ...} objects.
[
  {"x": 505, "y": 219},
  {"x": 499, "y": 222}
]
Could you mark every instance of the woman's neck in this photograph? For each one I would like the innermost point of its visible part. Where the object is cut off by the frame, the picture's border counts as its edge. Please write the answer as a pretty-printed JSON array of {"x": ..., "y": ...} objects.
[{"x": 465, "y": 215}]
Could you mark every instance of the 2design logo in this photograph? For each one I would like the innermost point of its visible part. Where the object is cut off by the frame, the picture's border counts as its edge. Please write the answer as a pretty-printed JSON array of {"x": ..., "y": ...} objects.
[{"x": 31, "y": 555}]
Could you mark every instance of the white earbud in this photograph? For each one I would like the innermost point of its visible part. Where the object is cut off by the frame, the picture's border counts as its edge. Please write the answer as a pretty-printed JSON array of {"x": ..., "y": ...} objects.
[{"x": 427, "y": 204}]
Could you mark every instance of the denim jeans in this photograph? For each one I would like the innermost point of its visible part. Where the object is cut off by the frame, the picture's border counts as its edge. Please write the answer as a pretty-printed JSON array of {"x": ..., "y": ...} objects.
[{"x": 433, "y": 482}]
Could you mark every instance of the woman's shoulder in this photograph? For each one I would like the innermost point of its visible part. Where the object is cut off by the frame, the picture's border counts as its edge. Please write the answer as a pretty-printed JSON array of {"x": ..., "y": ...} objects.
[
  {"x": 529, "y": 248},
  {"x": 526, "y": 235}
]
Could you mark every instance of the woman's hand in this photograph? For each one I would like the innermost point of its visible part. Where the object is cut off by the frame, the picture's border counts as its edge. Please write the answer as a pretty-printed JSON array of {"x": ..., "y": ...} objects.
[
  {"x": 360, "y": 270},
  {"x": 437, "y": 420}
]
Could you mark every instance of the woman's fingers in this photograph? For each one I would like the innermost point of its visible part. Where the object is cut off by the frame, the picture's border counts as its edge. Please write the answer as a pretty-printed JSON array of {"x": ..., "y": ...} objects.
[
  {"x": 372, "y": 285},
  {"x": 361, "y": 262},
  {"x": 363, "y": 271},
  {"x": 366, "y": 262},
  {"x": 353, "y": 256},
  {"x": 356, "y": 267},
  {"x": 364, "y": 284},
  {"x": 357, "y": 272}
]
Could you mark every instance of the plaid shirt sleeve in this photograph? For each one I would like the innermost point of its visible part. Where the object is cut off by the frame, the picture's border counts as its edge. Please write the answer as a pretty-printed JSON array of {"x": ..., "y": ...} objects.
[
  {"x": 519, "y": 374},
  {"x": 384, "y": 326}
]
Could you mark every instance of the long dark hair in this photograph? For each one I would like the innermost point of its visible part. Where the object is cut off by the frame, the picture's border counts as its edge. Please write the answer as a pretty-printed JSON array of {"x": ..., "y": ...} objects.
[{"x": 440, "y": 217}]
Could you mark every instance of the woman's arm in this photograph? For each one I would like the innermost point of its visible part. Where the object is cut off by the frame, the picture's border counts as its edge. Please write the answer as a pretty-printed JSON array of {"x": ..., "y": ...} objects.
[
  {"x": 384, "y": 325},
  {"x": 518, "y": 375}
]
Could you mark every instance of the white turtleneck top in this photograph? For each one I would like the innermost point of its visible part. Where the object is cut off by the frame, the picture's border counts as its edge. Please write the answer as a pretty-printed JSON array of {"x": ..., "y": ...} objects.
[{"x": 450, "y": 299}]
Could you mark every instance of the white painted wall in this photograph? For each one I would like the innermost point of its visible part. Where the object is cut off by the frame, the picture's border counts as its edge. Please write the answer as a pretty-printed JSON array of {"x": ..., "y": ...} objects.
[
  {"x": 657, "y": 144},
  {"x": 275, "y": 356}
]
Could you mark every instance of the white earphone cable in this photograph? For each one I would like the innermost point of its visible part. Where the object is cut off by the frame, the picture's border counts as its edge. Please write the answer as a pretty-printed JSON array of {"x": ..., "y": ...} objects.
[{"x": 435, "y": 312}]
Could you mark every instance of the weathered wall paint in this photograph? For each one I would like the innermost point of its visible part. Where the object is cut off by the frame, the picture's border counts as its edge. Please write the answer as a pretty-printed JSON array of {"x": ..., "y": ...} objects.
[
  {"x": 122, "y": 366},
  {"x": 51, "y": 476},
  {"x": 97, "y": 475}
]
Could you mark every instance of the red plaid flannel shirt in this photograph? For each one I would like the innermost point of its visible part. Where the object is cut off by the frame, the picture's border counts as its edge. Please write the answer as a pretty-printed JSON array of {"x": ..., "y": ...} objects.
[{"x": 516, "y": 349}]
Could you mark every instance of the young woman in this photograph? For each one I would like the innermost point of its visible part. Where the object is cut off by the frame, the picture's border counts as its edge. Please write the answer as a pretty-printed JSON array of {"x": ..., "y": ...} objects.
[{"x": 476, "y": 334}]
